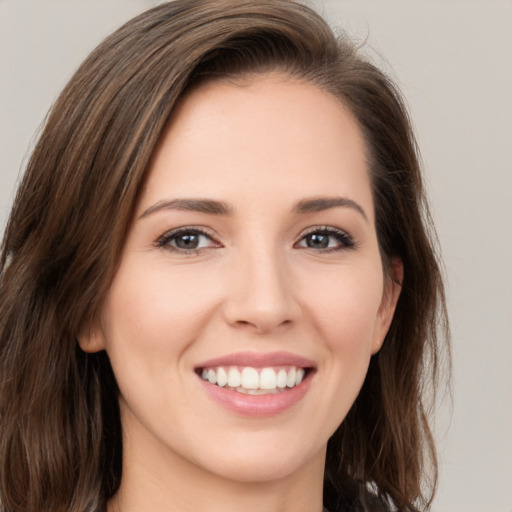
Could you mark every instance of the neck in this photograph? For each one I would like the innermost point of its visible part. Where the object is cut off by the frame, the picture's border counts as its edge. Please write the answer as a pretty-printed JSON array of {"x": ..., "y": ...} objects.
[
  {"x": 156, "y": 480},
  {"x": 182, "y": 497}
]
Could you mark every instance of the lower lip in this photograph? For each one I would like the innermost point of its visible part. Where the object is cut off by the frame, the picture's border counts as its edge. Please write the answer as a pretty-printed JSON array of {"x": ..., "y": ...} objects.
[{"x": 257, "y": 405}]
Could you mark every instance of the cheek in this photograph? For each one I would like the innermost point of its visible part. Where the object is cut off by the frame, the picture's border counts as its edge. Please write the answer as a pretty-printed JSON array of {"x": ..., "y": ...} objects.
[
  {"x": 154, "y": 309},
  {"x": 344, "y": 310},
  {"x": 150, "y": 319}
]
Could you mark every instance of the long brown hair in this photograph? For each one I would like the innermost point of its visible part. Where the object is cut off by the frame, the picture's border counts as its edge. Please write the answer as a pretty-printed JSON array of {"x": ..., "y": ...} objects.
[{"x": 60, "y": 431}]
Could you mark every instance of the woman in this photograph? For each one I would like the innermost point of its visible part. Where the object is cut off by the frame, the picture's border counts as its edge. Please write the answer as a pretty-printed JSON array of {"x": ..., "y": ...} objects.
[{"x": 218, "y": 289}]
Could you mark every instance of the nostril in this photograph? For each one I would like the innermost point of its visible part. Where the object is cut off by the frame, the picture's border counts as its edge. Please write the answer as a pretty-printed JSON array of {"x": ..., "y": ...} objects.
[{"x": 263, "y": 326}]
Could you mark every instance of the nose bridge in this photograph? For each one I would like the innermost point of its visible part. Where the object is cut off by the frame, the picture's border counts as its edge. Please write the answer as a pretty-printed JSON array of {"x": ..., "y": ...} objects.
[{"x": 262, "y": 290}]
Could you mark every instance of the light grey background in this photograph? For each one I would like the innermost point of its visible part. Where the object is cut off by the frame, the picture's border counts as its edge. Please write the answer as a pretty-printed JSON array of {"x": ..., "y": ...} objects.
[{"x": 453, "y": 61}]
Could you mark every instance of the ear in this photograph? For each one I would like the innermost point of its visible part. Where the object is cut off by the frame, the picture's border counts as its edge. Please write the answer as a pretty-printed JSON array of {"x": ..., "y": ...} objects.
[
  {"x": 91, "y": 338},
  {"x": 392, "y": 289}
]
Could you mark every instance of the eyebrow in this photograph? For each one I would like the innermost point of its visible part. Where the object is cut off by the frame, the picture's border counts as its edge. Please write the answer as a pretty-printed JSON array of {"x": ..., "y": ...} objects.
[
  {"x": 213, "y": 207},
  {"x": 208, "y": 206},
  {"x": 325, "y": 203}
]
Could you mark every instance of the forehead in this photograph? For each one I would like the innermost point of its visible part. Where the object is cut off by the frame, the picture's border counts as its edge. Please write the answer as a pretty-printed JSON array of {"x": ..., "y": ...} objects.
[{"x": 264, "y": 133}]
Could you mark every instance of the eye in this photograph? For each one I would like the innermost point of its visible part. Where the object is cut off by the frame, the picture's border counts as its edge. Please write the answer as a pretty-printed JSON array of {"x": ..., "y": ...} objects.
[
  {"x": 187, "y": 240},
  {"x": 326, "y": 239}
]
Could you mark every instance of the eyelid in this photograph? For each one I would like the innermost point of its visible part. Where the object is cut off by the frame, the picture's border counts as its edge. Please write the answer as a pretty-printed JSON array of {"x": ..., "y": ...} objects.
[
  {"x": 163, "y": 240},
  {"x": 347, "y": 241}
]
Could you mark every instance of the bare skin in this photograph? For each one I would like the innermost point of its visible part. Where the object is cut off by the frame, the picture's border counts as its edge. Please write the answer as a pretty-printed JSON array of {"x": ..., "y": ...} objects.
[{"x": 254, "y": 235}]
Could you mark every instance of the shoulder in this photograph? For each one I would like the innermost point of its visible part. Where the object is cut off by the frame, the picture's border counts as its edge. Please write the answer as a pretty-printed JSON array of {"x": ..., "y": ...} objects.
[
  {"x": 368, "y": 503},
  {"x": 357, "y": 496},
  {"x": 364, "y": 501}
]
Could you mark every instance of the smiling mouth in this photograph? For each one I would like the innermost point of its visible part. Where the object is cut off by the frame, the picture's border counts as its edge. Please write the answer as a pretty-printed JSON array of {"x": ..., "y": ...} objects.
[{"x": 254, "y": 381}]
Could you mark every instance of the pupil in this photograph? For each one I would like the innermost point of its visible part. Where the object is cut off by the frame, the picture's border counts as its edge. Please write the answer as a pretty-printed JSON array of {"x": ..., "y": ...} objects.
[
  {"x": 318, "y": 241},
  {"x": 187, "y": 241}
]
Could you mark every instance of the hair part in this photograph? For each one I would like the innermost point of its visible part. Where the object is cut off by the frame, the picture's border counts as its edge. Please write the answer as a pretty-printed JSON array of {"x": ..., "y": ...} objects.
[{"x": 60, "y": 431}]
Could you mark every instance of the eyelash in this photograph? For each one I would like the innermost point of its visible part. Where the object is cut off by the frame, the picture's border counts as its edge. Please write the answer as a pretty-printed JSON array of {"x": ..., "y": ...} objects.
[
  {"x": 165, "y": 240},
  {"x": 345, "y": 240}
]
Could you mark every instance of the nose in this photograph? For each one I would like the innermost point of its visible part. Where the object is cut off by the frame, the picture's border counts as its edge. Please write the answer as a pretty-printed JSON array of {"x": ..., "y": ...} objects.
[{"x": 261, "y": 293}]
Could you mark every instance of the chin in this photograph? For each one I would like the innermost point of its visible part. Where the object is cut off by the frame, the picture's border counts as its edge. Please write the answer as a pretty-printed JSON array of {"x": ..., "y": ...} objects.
[
  {"x": 260, "y": 469},
  {"x": 259, "y": 461}
]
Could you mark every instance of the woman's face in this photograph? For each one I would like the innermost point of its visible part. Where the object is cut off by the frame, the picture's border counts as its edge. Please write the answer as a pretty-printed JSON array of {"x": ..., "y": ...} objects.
[{"x": 250, "y": 295}]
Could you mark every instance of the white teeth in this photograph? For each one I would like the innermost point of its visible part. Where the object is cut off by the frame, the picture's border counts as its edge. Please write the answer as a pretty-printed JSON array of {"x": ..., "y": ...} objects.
[
  {"x": 281, "y": 379},
  {"x": 234, "y": 378},
  {"x": 260, "y": 391},
  {"x": 250, "y": 378},
  {"x": 222, "y": 377},
  {"x": 254, "y": 381},
  {"x": 268, "y": 378},
  {"x": 290, "y": 381},
  {"x": 212, "y": 377}
]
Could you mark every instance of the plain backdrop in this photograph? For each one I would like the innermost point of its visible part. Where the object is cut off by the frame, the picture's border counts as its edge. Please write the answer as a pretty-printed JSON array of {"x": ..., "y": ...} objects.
[{"x": 453, "y": 61}]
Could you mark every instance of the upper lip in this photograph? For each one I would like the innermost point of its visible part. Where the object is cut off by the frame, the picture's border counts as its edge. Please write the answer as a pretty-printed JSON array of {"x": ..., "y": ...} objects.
[{"x": 258, "y": 360}]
